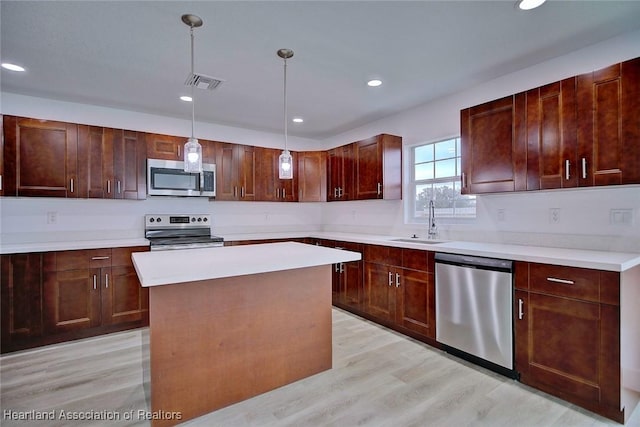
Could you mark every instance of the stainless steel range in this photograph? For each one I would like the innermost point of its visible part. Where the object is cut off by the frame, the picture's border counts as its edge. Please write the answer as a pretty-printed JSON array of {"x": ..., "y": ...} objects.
[{"x": 180, "y": 232}]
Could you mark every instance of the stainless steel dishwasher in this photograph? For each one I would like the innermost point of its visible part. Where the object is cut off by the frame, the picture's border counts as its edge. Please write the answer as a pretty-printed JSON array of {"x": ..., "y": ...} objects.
[{"x": 474, "y": 310}]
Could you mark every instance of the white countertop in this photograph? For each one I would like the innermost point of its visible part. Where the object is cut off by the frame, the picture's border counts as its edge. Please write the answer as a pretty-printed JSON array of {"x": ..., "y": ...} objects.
[
  {"x": 601, "y": 260},
  {"x": 190, "y": 265}
]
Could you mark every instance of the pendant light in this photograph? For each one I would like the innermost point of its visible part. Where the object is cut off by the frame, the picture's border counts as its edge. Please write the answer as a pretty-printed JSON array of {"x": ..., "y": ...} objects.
[
  {"x": 192, "y": 148},
  {"x": 285, "y": 161}
]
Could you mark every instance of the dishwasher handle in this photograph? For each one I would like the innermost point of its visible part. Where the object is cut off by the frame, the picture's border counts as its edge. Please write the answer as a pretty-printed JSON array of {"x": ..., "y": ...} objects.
[{"x": 470, "y": 261}]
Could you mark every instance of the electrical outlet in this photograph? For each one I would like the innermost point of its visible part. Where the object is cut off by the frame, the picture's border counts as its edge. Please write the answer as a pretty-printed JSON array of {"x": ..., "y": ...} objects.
[
  {"x": 502, "y": 215},
  {"x": 52, "y": 217},
  {"x": 621, "y": 216},
  {"x": 554, "y": 215}
]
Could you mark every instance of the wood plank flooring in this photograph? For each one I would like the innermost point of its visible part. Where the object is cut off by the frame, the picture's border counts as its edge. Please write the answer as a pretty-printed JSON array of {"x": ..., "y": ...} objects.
[{"x": 379, "y": 378}]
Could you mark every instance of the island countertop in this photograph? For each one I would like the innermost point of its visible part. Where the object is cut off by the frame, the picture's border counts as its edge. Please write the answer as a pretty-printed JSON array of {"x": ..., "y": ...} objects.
[{"x": 190, "y": 265}]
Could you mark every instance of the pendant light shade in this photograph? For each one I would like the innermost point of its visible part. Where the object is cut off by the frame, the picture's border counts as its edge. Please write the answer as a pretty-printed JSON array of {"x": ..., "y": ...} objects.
[
  {"x": 285, "y": 161},
  {"x": 192, "y": 148}
]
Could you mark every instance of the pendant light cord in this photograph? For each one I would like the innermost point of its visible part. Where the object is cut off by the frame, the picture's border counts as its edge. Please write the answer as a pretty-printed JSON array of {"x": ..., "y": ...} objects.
[
  {"x": 193, "y": 101},
  {"x": 285, "y": 104}
]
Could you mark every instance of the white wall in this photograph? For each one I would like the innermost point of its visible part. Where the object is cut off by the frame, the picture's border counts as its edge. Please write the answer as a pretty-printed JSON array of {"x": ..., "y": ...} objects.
[{"x": 584, "y": 220}]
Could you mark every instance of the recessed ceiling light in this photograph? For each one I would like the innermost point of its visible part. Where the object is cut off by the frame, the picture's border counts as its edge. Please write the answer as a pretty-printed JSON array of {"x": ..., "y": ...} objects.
[
  {"x": 529, "y": 4},
  {"x": 12, "y": 67},
  {"x": 374, "y": 83},
  {"x": 298, "y": 120},
  {"x": 186, "y": 98}
]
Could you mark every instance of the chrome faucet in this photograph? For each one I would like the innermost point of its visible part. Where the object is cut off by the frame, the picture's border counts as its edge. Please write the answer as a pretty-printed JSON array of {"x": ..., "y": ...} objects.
[{"x": 433, "y": 230}]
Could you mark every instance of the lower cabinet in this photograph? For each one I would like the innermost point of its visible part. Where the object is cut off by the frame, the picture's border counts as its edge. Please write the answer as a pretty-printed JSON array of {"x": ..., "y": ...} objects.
[
  {"x": 348, "y": 290},
  {"x": 399, "y": 289},
  {"x": 567, "y": 328},
  {"x": 64, "y": 295}
]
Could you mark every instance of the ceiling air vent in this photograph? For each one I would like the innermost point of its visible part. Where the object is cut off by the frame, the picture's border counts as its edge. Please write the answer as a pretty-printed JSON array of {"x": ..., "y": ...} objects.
[{"x": 202, "y": 82}]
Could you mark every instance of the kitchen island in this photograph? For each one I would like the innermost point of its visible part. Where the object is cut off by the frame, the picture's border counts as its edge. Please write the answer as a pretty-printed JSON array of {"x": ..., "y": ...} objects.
[{"x": 230, "y": 323}]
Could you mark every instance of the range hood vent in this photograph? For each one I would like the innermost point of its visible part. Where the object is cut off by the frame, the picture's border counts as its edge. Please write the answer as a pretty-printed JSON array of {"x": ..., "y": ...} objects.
[{"x": 202, "y": 82}]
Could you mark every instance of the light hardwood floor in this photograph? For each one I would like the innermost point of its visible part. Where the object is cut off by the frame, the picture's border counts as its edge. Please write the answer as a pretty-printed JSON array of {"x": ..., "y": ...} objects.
[{"x": 379, "y": 378}]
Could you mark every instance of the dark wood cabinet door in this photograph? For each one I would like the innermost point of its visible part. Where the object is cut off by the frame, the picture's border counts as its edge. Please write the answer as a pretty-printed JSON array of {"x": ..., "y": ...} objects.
[
  {"x": 415, "y": 301},
  {"x": 95, "y": 162},
  {"x": 608, "y": 125},
  {"x": 21, "y": 297},
  {"x": 130, "y": 165},
  {"x": 72, "y": 299},
  {"x": 123, "y": 299},
  {"x": 568, "y": 349},
  {"x": 247, "y": 171},
  {"x": 552, "y": 136},
  {"x": 379, "y": 291},
  {"x": 226, "y": 172},
  {"x": 165, "y": 146},
  {"x": 269, "y": 186},
  {"x": 40, "y": 158},
  {"x": 2, "y": 177},
  {"x": 312, "y": 176},
  {"x": 368, "y": 173},
  {"x": 334, "y": 174},
  {"x": 493, "y": 153}
]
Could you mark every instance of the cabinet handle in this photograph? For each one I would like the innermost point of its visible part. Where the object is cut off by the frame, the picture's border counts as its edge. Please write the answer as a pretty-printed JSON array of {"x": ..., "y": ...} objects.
[
  {"x": 379, "y": 188},
  {"x": 242, "y": 192},
  {"x": 520, "y": 308},
  {"x": 284, "y": 193},
  {"x": 108, "y": 186},
  {"x": 563, "y": 281},
  {"x": 584, "y": 168},
  {"x": 566, "y": 170},
  {"x": 106, "y": 280},
  {"x": 397, "y": 280},
  {"x": 178, "y": 147},
  {"x": 95, "y": 281},
  {"x": 72, "y": 185},
  {"x": 235, "y": 191},
  {"x": 390, "y": 279},
  {"x": 277, "y": 193},
  {"x": 0, "y": 182},
  {"x": 97, "y": 258},
  {"x": 340, "y": 191},
  {"x": 342, "y": 267},
  {"x": 463, "y": 180},
  {"x": 335, "y": 192},
  {"x": 119, "y": 189},
  {"x": 335, "y": 266}
]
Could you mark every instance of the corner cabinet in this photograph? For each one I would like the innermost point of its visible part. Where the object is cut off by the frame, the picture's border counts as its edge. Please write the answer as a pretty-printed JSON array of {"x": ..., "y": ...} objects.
[
  {"x": 567, "y": 331},
  {"x": 58, "y": 296}
]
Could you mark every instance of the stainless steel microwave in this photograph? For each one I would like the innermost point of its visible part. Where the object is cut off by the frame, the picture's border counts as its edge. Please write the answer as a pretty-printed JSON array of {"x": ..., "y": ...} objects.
[{"x": 168, "y": 178}]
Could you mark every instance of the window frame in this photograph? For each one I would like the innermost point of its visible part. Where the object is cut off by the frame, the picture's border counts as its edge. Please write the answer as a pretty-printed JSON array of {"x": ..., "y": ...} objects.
[{"x": 410, "y": 204}]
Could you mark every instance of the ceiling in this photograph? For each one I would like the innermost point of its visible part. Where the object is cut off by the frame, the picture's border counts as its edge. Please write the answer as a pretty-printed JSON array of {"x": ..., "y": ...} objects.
[{"x": 134, "y": 55}]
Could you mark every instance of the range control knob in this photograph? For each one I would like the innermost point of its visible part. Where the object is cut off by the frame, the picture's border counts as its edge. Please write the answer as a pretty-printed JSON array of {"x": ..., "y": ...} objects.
[
  {"x": 193, "y": 219},
  {"x": 152, "y": 220},
  {"x": 205, "y": 219},
  {"x": 159, "y": 219},
  {"x": 199, "y": 219}
]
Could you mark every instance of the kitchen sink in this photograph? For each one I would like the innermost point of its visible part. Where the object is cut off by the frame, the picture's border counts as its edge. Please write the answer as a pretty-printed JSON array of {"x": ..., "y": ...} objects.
[{"x": 420, "y": 241}]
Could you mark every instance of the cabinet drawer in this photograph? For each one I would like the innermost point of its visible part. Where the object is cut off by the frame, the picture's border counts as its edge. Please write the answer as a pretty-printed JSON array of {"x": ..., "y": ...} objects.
[
  {"x": 572, "y": 282},
  {"x": 379, "y": 254},
  {"x": 122, "y": 256},
  {"x": 77, "y": 260},
  {"x": 415, "y": 259}
]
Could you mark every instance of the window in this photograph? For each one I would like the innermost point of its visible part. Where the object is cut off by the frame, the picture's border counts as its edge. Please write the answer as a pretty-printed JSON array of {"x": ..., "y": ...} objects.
[{"x": 435, "y": 175}]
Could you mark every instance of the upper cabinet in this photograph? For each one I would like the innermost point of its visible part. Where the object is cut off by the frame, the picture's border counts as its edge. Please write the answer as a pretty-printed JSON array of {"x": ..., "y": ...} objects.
[
  {"x": 312, "y": 177},
  {"x": 609, "y": 125},
  {"x": 581, "y": 131},
  {"x": 340, "y": 173},
  {"x": 551, "y": 136},
  {"x": 378, "y": 168},
  {"x": 493, "y": 157},
  {"x": 165, "y": 147},
  {"x": 40, "y": 158},
  {"x": 235, "y": 172},
  {"x": 270, "y": 188},
  {"x": 367, "y": 169},
  {"x": 56, "y": 159}
]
